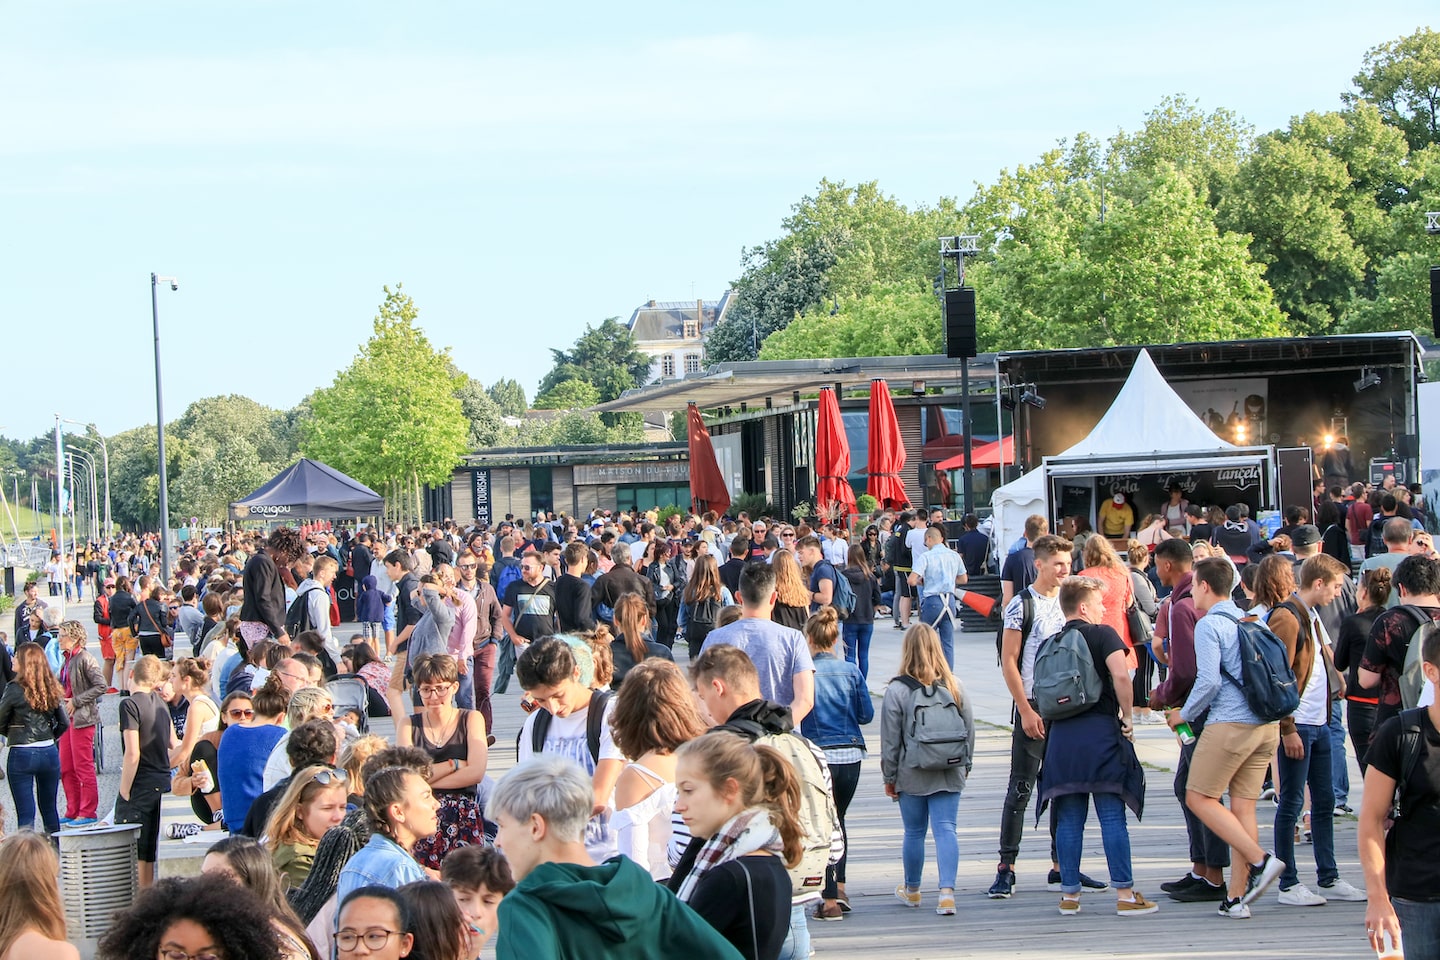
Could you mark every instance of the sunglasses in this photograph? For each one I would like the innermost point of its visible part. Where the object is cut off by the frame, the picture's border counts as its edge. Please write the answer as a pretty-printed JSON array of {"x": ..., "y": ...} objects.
[
  {"x": 236, "y": 714},
  {"x": 467, "y": 566},
  {"x": 332, "y": 775}
]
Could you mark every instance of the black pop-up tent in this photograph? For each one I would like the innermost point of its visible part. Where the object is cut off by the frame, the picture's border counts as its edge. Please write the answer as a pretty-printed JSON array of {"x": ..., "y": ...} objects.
[{"x": 309, "y": 489}]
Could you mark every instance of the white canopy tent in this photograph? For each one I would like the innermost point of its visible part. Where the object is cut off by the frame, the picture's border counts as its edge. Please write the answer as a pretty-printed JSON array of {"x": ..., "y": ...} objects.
[{"x": 1148, "y": 429}]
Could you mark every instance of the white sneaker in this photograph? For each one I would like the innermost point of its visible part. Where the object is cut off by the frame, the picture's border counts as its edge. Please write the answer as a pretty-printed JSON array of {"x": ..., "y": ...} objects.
[
  {"x": 1300, "y": 896},
  {"x": 1341, "y": 890}
]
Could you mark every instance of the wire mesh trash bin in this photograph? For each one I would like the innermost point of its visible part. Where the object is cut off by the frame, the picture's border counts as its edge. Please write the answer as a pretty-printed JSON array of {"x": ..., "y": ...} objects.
[{"x": 99, "y": 875}]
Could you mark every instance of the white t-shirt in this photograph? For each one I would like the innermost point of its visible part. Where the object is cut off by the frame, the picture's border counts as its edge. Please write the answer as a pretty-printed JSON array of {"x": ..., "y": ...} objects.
[
  {"x": 915, "y": 540},
  {"x": 1048, "y": 620},
  {"x": 55, "y": 571},
  {"x": 1314, "y": 708},
  {"x": 566, "y": 738}
]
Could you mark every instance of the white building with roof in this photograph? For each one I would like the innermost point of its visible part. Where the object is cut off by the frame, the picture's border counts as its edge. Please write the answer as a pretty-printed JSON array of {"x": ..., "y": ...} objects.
[{"x": 673, "y": 333}]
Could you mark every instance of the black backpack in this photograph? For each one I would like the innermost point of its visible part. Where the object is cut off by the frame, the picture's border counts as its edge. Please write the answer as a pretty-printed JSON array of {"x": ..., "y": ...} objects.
[
  {"x": 1375, "y": 539},
  {"x": 594, "y": 724},
  {"x": 297, "y": 618},
  {"x": 1027, "y": 621},
  {"x": 1411, "y": 735}
]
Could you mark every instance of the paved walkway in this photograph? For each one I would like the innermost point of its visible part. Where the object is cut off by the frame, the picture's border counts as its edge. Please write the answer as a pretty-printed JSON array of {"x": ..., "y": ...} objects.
[{"x": 1026, "y": 926}]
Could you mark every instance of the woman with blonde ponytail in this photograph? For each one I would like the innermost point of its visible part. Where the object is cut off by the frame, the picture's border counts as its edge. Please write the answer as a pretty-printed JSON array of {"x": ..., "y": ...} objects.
[
  {"x": 632, "y": 622},
  {"x": 744, "y": 800}
]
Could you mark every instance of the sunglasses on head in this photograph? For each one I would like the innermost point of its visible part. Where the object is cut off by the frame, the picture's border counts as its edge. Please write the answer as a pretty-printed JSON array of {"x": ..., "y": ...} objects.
[{"x": 332, "y": 775}]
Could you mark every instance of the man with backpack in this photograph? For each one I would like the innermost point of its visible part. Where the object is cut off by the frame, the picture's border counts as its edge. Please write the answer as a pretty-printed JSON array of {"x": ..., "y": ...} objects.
[
  {"x": 828, "y": 586},
  {"x": 1089, "y": 754},
  {"x": 1236, "y": 746},
  {"x": 310, "y": 610},
  {"x": 727, "y": 684},
  {"x": 897, "y": 555},
  {"x": 1401, "y": 858},
  {"x": 1392, "y": 656},
  {"x": 572, "y": 721},
  {"x": 1375, "y": 533},
  {"x": 1395, "y": 535},
  {"x": 1306, "y": 755},
  {"x": 1030, "y": 618},
  {"x": 935, "y": 574}
]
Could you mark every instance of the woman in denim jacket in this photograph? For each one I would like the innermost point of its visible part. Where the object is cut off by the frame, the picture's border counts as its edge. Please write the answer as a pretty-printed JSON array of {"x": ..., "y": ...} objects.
[{"x": 842, "y": 704}]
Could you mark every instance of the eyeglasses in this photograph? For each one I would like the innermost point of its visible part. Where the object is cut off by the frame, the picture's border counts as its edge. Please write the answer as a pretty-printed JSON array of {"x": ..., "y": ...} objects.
[
  {"x": 440, "y": 691},
  {"x": 466, "y": 566},
  {"x": 348, "y": 940},
  {"x": 236, "y": 714},
  {"x": 173, "y": 953}
]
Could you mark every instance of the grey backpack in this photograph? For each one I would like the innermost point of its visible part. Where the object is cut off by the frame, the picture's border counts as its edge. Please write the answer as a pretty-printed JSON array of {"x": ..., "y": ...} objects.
[
  {"x": 935, "y": 734},
  {"x": 1412, "y": 678},
  {"x": 1066, "y": 683}
]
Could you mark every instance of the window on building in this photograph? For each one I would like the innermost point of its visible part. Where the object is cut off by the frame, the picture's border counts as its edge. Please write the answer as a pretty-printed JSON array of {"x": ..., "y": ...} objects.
[
  {"x": 692, "y": 363},
  {"x": 692, "y": 329},
  {"x": 667, "y": 366}
]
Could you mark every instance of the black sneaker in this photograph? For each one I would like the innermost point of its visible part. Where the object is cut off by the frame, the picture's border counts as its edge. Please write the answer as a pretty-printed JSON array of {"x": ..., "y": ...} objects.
[
  {"x": 1088, "y": 882},
  {"x": 1184, "y": 883},
  {"x": 1004, "y": 884},
  {"x": 1261, "y": 877},
  {"x": 1202, "y": 892}
]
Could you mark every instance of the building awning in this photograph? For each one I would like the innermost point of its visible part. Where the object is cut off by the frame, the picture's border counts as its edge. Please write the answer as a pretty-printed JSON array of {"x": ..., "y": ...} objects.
[
  {"x": 992, "y": 454},
  {"x": 754, "y": 382}
]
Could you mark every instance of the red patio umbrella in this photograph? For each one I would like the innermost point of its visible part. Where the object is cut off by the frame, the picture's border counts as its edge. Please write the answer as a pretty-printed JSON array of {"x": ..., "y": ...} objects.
[
  {"x": 832, "y": 460},
  {"x": 887, "y": 450},
  {"x": 707, "y": 486}
]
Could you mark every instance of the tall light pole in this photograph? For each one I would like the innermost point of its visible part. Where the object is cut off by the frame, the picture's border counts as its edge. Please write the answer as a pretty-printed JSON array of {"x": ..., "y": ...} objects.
[
  {"x": 88, "y": 461},
  {"x": 155, "y": 282},
  {"x": 105, "y": 463}
]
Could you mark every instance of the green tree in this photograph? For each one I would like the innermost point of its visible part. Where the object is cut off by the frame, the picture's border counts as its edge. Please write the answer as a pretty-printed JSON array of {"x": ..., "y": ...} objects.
[
  {"x": 509, "y": 396},
  {"x": 1402, "y": 79},
  {"x": 1313, "y": 199},
  {"x": 487, "y": 425},
  {"x": 568, "y": 395},
  {"x": 895, "y": 319},
  {"x": 604, "y": 356},
  {"x": 391, "y": 419}
]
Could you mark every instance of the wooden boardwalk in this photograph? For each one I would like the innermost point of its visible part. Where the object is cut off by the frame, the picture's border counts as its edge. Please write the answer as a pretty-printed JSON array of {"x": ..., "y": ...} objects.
[{"x": 1028, "y": 925}]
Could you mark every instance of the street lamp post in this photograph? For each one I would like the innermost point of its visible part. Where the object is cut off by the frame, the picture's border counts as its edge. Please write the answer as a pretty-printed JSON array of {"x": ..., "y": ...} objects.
[
  {"x": 88, "y": 461},
  {"x": 155, "y": 282},
  {"x": 105, "y": 464},
  {"x": 61, "y": 501}
]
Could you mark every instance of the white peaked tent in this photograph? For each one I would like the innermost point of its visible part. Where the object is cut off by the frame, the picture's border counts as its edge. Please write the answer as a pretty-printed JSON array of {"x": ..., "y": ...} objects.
[{"x": 1148, "y": 429}]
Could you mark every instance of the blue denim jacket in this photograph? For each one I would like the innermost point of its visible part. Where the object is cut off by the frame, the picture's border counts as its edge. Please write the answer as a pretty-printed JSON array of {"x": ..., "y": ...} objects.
[
  {"x": 381, "y": 862},
  {"x": 842, "y": 704}
]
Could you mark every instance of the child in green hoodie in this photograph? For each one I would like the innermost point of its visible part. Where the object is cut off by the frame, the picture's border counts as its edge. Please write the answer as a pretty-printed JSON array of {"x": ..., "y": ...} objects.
[{"x": 565, "y": 905}]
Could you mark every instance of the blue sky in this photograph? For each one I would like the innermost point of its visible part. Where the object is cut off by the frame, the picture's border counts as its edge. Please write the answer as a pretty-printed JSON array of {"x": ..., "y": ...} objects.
[{"x": 525, "y": 169}]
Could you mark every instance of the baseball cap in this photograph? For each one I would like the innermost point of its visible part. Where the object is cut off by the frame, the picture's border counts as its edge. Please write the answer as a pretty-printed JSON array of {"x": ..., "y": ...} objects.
[{"x": 1305, "y": 535}]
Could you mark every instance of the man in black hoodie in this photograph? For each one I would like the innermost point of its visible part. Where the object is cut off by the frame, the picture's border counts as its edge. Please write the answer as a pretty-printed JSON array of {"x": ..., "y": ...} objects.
[{"x": 728, "y": 686}]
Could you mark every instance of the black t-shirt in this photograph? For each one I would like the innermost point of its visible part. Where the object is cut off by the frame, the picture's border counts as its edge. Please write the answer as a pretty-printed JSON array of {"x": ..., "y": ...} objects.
[
  {"x": 532, "y": 609},
  {"x": 407, "y": 610},
  {"x": 572, "y": 604},
  {"x": 724, "y": 899},
  {"x": 150, "y": 715},
  {"x": 1412, "y": 848},
  {"x": 1103, "y": 641},
  {"x": 1019, "y": 569},
  {"x": 730, "y": 575}
]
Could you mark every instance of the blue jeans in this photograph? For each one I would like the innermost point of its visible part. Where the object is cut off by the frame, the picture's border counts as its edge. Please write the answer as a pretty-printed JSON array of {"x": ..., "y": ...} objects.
[
  {"x": 35, "y": 780},
  {"x": 1313, "y": 770},
  {"x": 1339, "y": 768},
  {"x": 797, "y": 941},
  {"x": 465, "y": 695},
  {"x": 1071, "y": 811},
  {"x": 940, "y": 811},
  {"x": 935, "y": 611},
  {"x": 1419, "y": 927},
  {"x": 857, "y": 644}
]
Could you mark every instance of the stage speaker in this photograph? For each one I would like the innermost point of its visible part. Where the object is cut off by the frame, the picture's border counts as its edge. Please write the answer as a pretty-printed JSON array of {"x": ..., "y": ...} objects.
[
  {"x": 960, "y": 323},
  {"x": 1435, "y": 299},
  {"x": 1407, "y": 446}
]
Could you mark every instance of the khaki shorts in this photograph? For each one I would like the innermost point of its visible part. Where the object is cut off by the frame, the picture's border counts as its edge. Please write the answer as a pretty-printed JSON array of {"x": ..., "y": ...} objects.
[{"x": 1233, "y": 757}]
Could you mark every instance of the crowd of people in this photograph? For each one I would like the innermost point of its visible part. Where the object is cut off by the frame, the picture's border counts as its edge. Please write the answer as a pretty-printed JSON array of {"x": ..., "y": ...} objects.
[{"x": 656, "y": 808}]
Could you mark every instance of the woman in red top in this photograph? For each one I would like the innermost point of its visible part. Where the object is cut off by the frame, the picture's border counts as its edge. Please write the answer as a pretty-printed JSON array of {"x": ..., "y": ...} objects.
[{"x": 1105, "y": 565}]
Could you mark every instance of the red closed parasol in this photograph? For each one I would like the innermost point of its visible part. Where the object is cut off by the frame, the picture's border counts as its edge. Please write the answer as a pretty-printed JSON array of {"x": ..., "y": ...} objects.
[
  {"x": 707, "y": 485},
  {"x": 887, "y": 450},
  {"x": 833, "y": 496}
]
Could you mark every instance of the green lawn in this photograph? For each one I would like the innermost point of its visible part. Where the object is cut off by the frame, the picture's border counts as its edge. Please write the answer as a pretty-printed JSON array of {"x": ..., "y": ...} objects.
[{"x": 29, "y": 522}]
